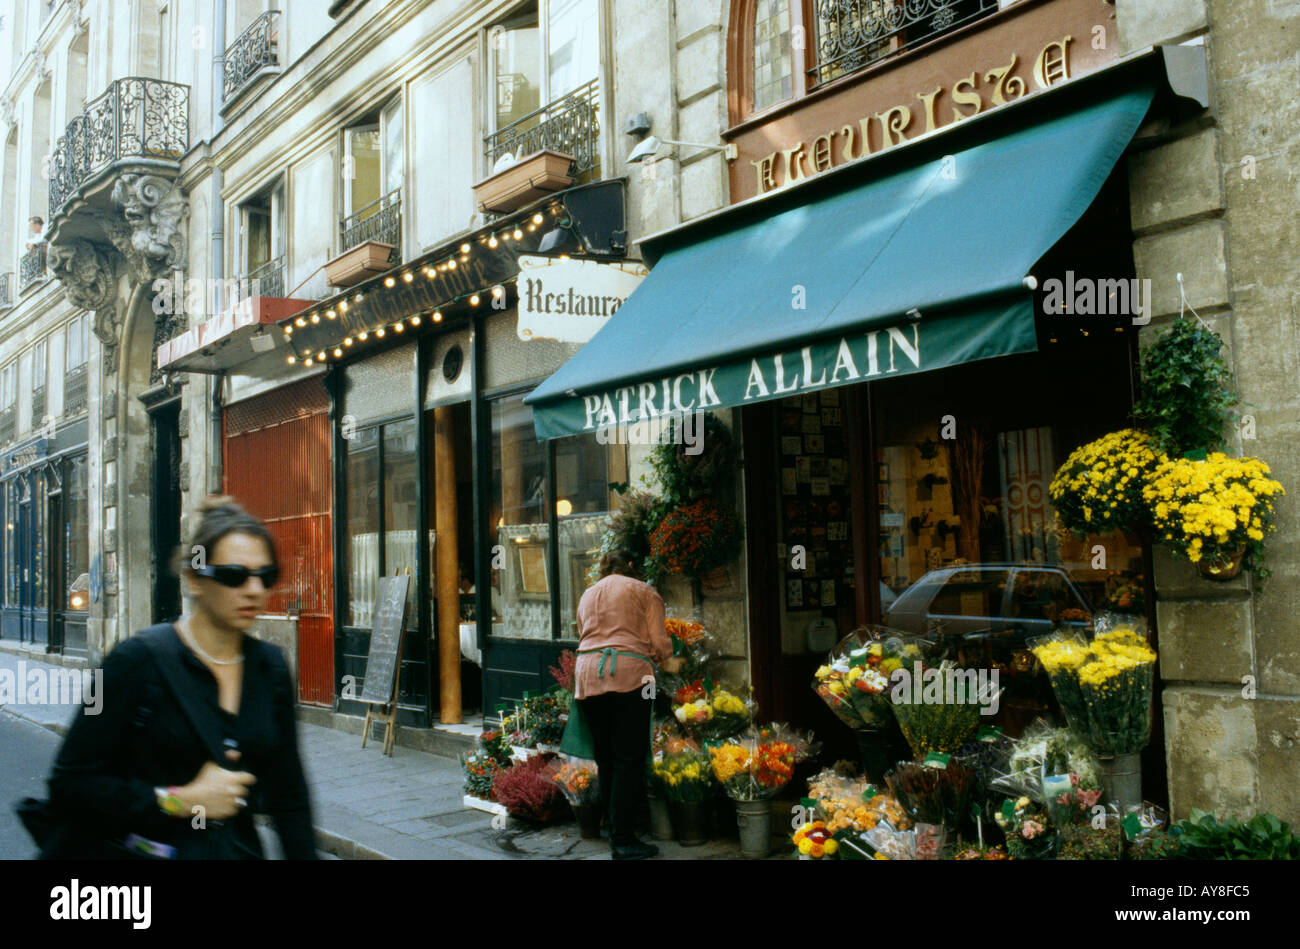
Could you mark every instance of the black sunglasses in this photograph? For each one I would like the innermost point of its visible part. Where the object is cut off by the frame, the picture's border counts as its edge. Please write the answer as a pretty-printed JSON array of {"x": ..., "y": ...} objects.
[{"x": 236, "y": 575}]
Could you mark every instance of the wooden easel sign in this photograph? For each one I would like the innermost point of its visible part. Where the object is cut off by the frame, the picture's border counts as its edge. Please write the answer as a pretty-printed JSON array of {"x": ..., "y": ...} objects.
[{"x": 380, "y": 685}]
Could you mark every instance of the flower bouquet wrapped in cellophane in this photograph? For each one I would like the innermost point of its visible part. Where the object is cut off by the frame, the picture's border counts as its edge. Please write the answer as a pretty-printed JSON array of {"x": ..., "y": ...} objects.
[
  {"x": 855, "y": 679},
  {"x": 691, "y": 643},
  {"x": 1041, "y": 752},
  {"x": 577, "y": 779},
  {"x": 1104, "y": 686},
  {"x": 756, "y": 764},
  {"x": 945, "y": 724},
  {"x": 683, "y": 776},
  {"x": 718, "y": 713}
]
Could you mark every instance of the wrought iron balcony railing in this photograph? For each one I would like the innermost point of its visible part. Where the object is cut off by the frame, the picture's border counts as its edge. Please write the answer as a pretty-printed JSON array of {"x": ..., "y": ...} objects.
[
  {"x": 74, "y": 391},
  {"x": 852, "y": 34},
  {"x": 8, "y": 423},
  {"x": 38, "y": 407},
  {"x": 379, "y": 220},
  {"x": 6, "y": 289},
  {"x": 264, "y": 281},
  {"x": 257, "y": 48},
  {"x": 570, "y": 126},
  {"x": 31, "y": 268},
  {"x": 134, "y": 118}
]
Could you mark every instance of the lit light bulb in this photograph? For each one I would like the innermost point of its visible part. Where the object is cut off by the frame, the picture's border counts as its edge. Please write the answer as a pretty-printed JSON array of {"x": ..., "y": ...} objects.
[
  {"x": 307, "y": 361},
  {"x": 537, "y": 218},
  {"x": 492, "y": 241},
  {"x": 380, "y": 332},
  {"x": 473, "y": 301},
  {"x": 564, "y": 507},
  {"x": 389, "y": 282},
  {"x": 315, "y": 317},
  {"x": 408, "y": 276},
  {"x": 288, "y": 329},
  {"x": 348, "y": 341},
  {"x": 429, "y": 272},
  {"x": 343, "y": 306},
  {"x": 337, "y": 352},
  {"x": 415, "y": 320},
  {"x": 330, "y": 314},
  {"x": 464, "y": 248},
  {"x": 292, "y": 360},
  {"x": 321, "y": 355},
  {"x": 437, "y": 316},
  {"x": 362, "y": 336},
  {"x": 300, "y": 321},
  {"x": 451, "y": 265},
  {"x": 358, "y": 298},
  {"x": 518, "y": 234},
  {"x": 399, "y": 326}
]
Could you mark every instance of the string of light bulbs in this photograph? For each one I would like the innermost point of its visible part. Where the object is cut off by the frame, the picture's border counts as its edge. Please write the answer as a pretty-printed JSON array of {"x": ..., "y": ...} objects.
[{"x": 452, "y": 262}]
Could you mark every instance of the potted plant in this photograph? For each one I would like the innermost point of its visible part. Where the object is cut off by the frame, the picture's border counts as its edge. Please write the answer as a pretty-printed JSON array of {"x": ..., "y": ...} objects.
[
  {"x": 1186, "y": 391},
  {"x": 1215, "y": 512},
  {"x": 683, "y": 778},
  {"x": 529, "y": 792},
  {"x": 1099, "y": 488},
  {"x": 358, "y": 263},
  {"x": 518, "y": 183}
]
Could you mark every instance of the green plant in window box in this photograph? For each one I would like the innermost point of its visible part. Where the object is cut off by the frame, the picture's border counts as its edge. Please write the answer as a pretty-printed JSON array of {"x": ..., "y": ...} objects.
[
  {"x": 692, "y": 464},
  {"x": 1186, "y": 391}
]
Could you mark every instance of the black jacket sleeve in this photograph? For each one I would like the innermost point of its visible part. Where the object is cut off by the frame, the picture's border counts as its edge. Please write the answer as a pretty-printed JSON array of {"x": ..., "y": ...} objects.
[
  {"x": 287, "y": 800},
  {"x": 83, "y": 785}
]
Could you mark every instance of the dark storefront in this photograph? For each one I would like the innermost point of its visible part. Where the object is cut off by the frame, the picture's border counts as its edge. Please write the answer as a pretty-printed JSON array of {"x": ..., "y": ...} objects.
[{"x": 47, "y": 588}]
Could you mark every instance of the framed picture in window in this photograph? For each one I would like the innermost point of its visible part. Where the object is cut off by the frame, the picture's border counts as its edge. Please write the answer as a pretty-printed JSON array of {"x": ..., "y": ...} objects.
[{"x": 533, "y": 580}]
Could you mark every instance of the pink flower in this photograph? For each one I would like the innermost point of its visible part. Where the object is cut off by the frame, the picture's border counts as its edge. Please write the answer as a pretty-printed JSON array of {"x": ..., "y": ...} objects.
[
  {"x": 1064, "y": 798},
  {"x": 1089, "y": 798},
  {"x": 1074, "y": 779},
  {"x": 1031, "y": 829}
]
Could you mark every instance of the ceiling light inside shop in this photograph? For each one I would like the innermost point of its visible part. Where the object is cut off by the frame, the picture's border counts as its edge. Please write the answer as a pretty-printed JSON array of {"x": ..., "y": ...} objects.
[{"x": 564, "y": 507}]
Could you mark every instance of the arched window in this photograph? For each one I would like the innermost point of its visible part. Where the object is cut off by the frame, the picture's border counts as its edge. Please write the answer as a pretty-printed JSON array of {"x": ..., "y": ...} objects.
[{"x": 771, "y": 76}]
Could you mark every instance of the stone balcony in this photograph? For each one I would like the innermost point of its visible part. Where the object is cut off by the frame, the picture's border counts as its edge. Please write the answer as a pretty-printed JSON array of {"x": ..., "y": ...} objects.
[{"x": 113, "y": 207}]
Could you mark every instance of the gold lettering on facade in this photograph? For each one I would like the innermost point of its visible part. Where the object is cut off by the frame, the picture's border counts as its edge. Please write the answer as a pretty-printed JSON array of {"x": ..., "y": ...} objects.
[
  {"x": 794, "y": 170},
  {"x": 864, "y": 126},
  {"x": 1053, "y": 63},
  {"x": 764, "y": 168},
  {"x": 821, "y": 152},
  {"x": 927, "y": 99},
  {"x": 892, "y": 125},
  {"x": 1005, "y": 83},
  {"x": 847, "y": 151},
  {"x": 971, "y": 98}
]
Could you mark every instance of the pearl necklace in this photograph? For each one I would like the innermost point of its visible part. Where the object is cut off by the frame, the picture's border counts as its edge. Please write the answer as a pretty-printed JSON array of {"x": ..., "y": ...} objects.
[{"x": 193, "y": 644}]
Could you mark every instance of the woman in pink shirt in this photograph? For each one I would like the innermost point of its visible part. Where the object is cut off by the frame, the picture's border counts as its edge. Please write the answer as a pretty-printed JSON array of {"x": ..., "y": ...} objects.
[{"x": 622, "y": 638}]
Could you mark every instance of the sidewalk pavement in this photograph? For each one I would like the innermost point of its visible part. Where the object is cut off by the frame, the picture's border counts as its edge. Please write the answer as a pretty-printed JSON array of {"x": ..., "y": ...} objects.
[{"x": 409, "y": 806}]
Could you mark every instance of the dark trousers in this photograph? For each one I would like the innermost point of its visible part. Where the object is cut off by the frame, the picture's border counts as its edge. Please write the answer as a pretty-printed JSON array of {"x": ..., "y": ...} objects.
[{"x": 620, "y": 732}]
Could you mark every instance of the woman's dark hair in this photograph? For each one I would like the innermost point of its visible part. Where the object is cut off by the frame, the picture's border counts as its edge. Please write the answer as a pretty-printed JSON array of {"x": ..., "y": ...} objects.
[
  {"x": 219, "y": 516},
  {"x": 621, "y": 562}
]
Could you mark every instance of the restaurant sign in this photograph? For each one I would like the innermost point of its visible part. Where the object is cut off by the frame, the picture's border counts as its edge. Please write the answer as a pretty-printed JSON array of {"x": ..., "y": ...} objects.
[
  {"x": 997, "y": 329},
  {"x": 568, "y": 299}
]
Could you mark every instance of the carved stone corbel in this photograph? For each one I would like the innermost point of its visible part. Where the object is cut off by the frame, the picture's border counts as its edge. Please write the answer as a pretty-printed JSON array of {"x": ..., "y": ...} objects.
[
  {"x": 154, "y": 211},
  {"x": 85, "y": 270}
]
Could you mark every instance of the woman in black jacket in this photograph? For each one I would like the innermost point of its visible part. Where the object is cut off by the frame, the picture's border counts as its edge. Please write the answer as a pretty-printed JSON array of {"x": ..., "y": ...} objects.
[{"x": 197, "y": 730}]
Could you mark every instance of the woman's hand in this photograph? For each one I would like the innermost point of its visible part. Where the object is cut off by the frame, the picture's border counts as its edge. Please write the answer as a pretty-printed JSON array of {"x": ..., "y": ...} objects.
[
  {"x": 673, "y": 665},
  {"x": 222, "y": 794}
]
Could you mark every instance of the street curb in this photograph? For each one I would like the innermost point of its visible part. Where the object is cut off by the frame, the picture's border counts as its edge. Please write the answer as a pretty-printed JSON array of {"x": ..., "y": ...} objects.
[
  {"x": 25, "y": 651},
  {"x": 57, "y": 727}
]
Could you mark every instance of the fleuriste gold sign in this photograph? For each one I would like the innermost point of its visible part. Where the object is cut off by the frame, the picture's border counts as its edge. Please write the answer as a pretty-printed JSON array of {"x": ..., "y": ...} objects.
[{"x": 875, "y": 133}]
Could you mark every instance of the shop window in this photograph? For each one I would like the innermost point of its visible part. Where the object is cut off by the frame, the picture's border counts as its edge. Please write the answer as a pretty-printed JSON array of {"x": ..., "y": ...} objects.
[
  {"x": 76, "y": 543},
  {"x": 584, "y": 473},
  {"x": 382, "y": 471},
  {"x": 521, "y": 580}
]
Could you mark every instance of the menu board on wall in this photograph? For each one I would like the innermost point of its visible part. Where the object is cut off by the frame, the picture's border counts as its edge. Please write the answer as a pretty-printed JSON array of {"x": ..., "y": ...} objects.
[{"x": 815, "y": 503}]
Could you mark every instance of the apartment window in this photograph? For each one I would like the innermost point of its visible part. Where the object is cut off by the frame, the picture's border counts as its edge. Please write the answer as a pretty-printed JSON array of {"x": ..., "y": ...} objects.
[
  {"x": 78, "y": 340},
  {"x": 39, "y": 378},
  {"x": 773, "y": 80},
  {"x": 262, "y": 232},
  {"x": 8, "y": 385},
  {"x": 372, "y": 180}
]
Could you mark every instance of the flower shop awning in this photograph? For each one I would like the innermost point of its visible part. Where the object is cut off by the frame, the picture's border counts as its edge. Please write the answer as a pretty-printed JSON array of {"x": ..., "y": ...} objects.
[{"x": 911, "y": 260}]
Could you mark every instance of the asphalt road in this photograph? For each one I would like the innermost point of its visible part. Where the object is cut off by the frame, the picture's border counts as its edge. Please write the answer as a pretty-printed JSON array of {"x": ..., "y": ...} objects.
[{"x": 26, "y": 754}]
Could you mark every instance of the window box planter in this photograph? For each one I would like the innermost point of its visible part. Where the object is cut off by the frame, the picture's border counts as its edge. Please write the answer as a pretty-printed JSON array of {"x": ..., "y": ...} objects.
[
  {"x": 524, "y": 182},
  {"x": 358, "y": 263}
]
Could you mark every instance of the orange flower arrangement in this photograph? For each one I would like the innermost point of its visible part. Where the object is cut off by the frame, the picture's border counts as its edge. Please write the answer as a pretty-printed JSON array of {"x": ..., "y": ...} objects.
[
  {"x": 688, "y": 633},
  {"x": 696, "y": 538},
  {"x": 814, "y": 840}
]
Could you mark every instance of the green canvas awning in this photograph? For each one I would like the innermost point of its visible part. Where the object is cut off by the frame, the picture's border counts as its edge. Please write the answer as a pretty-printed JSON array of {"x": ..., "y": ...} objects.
[{"x": 911, "y": 270}]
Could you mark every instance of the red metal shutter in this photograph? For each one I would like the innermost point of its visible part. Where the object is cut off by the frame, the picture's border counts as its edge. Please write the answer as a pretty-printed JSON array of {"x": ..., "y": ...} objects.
[{"x": 277, "y": 465}]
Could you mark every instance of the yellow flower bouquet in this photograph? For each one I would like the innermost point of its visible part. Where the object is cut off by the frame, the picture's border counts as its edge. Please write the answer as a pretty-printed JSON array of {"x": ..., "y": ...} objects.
[
  {"x": 1099, "y": 489},
  {"x": 1214, "y": 511},
  {"x": 683, "y": 776},
  {"x": 718, "y": 714},
  {"x": 1104, "y": 686}
]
